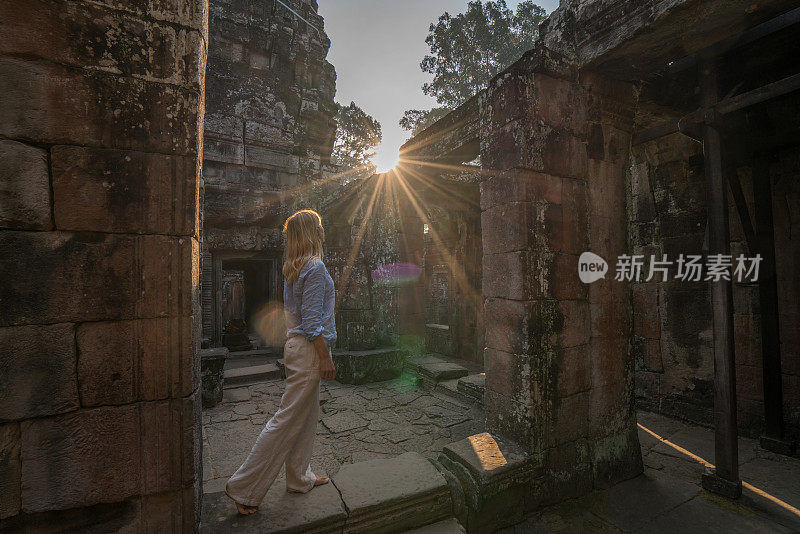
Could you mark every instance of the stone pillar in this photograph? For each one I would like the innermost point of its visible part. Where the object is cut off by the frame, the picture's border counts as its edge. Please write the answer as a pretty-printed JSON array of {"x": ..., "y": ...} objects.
[
  {"x": 101, "y": 128},
  {"x": 559, "y": 368}
]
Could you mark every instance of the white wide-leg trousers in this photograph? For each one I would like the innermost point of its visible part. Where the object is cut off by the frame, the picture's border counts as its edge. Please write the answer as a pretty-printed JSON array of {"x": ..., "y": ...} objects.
[{"x": 289, "y": 436}]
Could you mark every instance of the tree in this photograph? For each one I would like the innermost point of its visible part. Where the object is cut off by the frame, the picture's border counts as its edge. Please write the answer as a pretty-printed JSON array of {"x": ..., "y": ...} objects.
[
  {"x": 417, "y": 120},
  {"x": 469, "y": 48},
  {"x": 357, "y": 137}
]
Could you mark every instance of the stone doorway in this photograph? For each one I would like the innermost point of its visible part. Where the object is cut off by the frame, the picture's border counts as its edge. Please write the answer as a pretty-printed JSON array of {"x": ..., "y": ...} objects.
[{"x": 243, "y": 287}]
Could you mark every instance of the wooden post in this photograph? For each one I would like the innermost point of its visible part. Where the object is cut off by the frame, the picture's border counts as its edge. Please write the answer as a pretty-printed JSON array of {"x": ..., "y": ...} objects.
[
  {"x": 773, "y": 438},
  {"x": 725, "y": 478}
]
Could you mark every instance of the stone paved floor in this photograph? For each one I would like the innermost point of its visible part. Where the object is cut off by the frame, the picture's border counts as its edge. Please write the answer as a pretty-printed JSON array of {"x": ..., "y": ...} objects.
[
  {"x": 357, "y": 423},
  {"x": 667, "y": 497},
  {"x": 386, "y": 419}
]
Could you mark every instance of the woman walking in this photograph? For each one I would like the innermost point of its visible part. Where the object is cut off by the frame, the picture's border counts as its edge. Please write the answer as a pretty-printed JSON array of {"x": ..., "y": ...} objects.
[{"x": 288, "y": 437}]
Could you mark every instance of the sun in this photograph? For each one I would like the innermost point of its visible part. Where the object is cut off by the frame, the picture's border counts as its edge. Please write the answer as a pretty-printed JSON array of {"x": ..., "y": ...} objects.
[{"x": 386, "y": 158}]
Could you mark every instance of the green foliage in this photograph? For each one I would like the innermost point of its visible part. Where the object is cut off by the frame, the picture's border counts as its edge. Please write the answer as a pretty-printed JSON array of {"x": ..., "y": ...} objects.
[
  {"x": 357, "y": 136},
  {"x": 468, "y": 49},
  {"x": 417, "y": 120}
]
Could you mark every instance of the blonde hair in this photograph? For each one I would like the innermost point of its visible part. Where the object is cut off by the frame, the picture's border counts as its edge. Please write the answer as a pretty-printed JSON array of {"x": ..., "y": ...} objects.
[{"x": 304, "y": 235}]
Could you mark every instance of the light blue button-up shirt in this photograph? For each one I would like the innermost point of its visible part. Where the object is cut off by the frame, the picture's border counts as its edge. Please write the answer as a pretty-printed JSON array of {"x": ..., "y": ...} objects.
[{"x": 309, "y": 303}]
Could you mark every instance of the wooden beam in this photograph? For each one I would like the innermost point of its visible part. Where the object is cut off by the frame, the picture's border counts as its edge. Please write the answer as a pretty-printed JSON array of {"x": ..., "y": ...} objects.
[
  {"x": 755, "y": 33},
  {"x": 729, "y": 105},
  {"x": 725, "y": 478},
  {"x": 741, "y": 207},
  {"x": 768, "y": 301}
]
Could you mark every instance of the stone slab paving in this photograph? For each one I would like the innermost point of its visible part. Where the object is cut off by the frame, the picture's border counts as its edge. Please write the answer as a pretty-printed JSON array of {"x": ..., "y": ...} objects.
[
  {"x": 320, "y": 510},
  {"x": 404, "y": 492},
  {"x": 448, "y": 526},
  {"x": 668, "y": 497},
  {"x": 357, "y": 423}
]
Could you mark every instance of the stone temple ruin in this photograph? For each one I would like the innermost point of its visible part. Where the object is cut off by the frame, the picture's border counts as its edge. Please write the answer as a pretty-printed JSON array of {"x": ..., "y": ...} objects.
[{"x": 151, "y": 150}]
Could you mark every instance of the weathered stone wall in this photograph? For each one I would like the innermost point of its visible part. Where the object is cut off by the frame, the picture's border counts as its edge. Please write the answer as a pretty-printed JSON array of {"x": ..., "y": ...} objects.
[
  {"x": 673, "y": 336},
  {"x": 269, "y": 129},
  {"x": 362, "y": 235},
  {"x": 100, "y": 128},
  {"x": 451, "y": 268},
  {"x": 559, "y": 367}
]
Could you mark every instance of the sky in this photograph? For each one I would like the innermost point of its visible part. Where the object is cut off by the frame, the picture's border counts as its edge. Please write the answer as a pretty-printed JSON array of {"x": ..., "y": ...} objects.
[{"x": 376, "y": 47}]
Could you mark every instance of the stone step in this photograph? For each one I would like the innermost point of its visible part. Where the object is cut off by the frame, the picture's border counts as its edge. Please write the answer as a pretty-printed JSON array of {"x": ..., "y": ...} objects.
[
  {"x": 249, "y": 361},
  {"x": 387, "y": 495},
  {"x": 317, "y": 512},
  {"x": 448, "y": 526},
  {"x": 436, "y": 369},
  {"x": 472, "y": 386},
  {"x": 455, "y": 389},
  {"x": 366, "y": 366},
  {"x": 265, "y": 351},
  {"x": 253, "y": 373},
  {"x": 393, "y": 495}
]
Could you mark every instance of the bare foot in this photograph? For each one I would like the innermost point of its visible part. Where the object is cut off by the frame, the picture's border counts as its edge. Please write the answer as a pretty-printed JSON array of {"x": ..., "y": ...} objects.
[
  {"x": 321, "y": 480},
  {"x": 246, "y": 510},
  {"x": 243, "y": 508}
]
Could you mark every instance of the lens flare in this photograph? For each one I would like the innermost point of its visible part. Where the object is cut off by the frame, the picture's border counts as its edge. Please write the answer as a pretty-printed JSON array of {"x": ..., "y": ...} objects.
[
  {"x": 269, "y": 322},
  {"x": 396, "y": 274}
]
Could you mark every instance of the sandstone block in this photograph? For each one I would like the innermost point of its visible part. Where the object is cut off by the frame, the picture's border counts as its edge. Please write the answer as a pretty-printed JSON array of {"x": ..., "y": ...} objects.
[
  {"x": 521, "y": 275},
  {"x": 611, "y": 360},
  {"x": 24, "y": 186},
  {"x": 109, "y": 454},
  {"x": 574, "y": 327},
  {"x": 96, "y": 109},
  {"x": 439, "y": 339},
  {"x": 124, "y": 191},
  {"x": 10, "y": 470},
  {"x": 607, "y": 192},
  {"x": 520, "y": 186},
  {"x": 258, "y": 156},
  {"x": 38, "y": 376},
  {"x": 170, "y": 443},
  {"x": 564, "y": 281},
  {"x": 189, "y": 13},
  {"x": 610, "y": 306},
  {"x": 496, "y": 479},
  {"x": 611, "y": 406},
  {"x": 570, "y": 419},
  {"x": 607, "y": 236},
  {"x": 509, "y": 419},
  {"x": 362, "y": 367},
  {"x": 59, "y": 277},
  {"x": 59, "y": 32},
  {"x": 518, "y": 327},
  {"x": 509, "y": 375},
  {"x": 507, "y": 325},
  {"x": 504, "y": 228},
  {"x": 646, "y": 310},
  {"x": 79, "y": 459},
  {"x": 574, "y": 370},
  {"x": 616, "y": 457},
  {"x": 268, "y": 135},
  {"x": 535, "y": 147},
  {"x": 222, "y": 150},
  {"x": 567, "y": 473},
  {"x": 404, "y": 492},
  {"x": 125, "y": 361},
  {"x": 575, "y": 221}
]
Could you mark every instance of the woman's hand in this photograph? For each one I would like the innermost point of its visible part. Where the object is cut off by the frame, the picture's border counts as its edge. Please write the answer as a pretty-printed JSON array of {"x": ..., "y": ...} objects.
[{"x": 326, "y": 369}]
